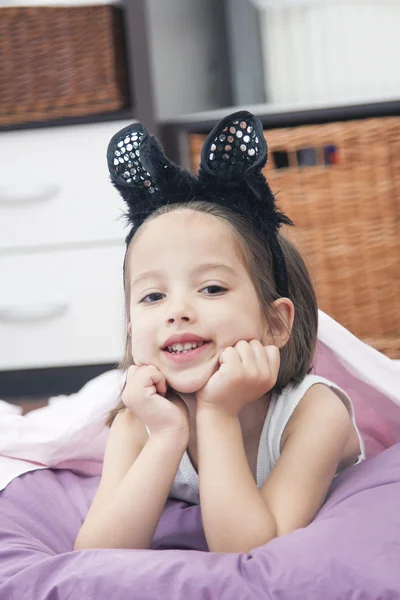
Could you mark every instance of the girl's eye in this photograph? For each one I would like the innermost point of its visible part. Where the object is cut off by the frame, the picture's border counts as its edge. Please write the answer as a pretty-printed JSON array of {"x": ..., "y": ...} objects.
[
  {"x": 150, "y": 298},
  {"x": 214, "y": 289}
]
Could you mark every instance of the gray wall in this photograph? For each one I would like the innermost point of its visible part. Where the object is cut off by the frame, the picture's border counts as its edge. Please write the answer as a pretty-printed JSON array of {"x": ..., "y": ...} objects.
[{"x": 189, "y": 56}]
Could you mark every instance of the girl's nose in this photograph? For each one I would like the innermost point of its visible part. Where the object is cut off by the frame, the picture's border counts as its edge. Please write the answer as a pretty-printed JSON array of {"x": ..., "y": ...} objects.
[
  {"x": 181, "y": 315},
  {"x": 177, "y": 319}
]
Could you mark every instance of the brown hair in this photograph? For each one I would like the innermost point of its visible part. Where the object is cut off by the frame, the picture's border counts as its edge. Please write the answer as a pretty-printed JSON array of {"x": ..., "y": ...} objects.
[{"x": 296, "y": 355}]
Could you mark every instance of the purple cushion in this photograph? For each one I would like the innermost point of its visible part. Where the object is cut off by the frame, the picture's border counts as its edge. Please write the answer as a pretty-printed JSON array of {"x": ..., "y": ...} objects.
[{"x": 351, "y": 550}]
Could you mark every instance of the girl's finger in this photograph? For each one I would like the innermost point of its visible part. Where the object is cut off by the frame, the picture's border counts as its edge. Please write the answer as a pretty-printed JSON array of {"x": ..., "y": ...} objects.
[
  {"x": 161, "y": 387},
  {"x": 230, "y": 358},
  {"x": 260, "y": 357},
  {"x": 132, "y": 370},
  {"x": 153, "y": 376},
  {"x": 160, "y": 382},
  {"x": 245, "y": 352},
  {"x": 274, "y": 360}
]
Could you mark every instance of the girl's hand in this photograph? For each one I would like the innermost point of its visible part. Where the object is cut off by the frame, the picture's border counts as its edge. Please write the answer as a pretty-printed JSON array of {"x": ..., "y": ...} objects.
[
  {"x": 248, "y": 371},
  {"x": 144, "y": 394}
]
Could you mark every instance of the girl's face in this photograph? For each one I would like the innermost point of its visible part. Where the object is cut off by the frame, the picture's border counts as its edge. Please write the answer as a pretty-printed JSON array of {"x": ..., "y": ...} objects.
[{"x": 187, "y": 277}]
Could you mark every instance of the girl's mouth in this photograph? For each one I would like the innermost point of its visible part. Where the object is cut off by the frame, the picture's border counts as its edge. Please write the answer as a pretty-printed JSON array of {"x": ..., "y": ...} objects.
[{"x": 179, "y": 353}]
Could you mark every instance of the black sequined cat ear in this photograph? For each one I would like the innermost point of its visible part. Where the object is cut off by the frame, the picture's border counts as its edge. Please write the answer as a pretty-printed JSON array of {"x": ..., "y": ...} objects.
[
  {"x": 124, "y": 157},
  {"x": 234, "y": 147},
  {"x": 232, "y": 160},
  {"x": 142, "y": 174},
  {"x": 137, "y": 163}
]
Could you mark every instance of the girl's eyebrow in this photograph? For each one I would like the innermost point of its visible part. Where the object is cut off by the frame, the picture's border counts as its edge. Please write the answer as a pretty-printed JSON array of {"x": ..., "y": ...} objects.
[
  {"x": 195, "y": 271},
  {"x": 147, "y": 275},
  {"x": 212, "y": 267}
]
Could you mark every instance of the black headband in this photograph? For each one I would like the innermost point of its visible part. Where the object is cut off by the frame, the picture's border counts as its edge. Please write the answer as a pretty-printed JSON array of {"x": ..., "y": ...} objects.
[{"x": 230, "y": 175}]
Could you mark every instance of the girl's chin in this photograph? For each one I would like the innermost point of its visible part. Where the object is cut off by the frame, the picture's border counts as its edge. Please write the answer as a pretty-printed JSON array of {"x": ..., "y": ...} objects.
[
  {"x": 186, "y": 387},
  {"x": 189, "y": 383}
]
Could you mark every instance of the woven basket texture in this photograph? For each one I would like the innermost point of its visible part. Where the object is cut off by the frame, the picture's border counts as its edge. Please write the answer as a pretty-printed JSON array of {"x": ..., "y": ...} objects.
[
  {"x": 347, "y": 217},
  {"x": 60, "y": 62}
]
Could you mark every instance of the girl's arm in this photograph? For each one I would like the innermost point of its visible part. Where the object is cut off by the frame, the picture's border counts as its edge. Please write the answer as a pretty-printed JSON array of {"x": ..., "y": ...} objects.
[
  {"x": 237, "y": 516},
  {"x": 137, "y": 476}
]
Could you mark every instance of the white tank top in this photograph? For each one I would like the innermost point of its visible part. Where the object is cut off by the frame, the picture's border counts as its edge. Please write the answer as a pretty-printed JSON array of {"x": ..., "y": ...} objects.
[{"x": 281, "y": 408}]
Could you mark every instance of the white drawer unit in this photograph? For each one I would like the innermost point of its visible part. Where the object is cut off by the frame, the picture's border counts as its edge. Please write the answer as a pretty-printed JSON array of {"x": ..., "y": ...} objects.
[
  {"x": 55, "y": 187},
  {"x": 61, "y": 308}
]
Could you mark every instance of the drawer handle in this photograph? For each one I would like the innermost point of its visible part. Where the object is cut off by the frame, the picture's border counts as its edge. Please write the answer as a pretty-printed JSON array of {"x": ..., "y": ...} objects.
[
  {"x": 29, "y": 196},
  {"x": 42, "y": 312}
]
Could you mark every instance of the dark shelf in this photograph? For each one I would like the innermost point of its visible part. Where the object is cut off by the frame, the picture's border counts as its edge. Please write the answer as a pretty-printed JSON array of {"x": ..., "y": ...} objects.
[
  {"x": 126, "y": 113},
  {"x": 49, "y": 381}
]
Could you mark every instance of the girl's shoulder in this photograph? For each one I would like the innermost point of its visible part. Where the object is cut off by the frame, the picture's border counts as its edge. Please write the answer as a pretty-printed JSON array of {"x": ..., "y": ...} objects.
[
  {"x": 312, "y": 389},
  {"x": 297, "y": 402},
  {"x": 320, "y": 401}
]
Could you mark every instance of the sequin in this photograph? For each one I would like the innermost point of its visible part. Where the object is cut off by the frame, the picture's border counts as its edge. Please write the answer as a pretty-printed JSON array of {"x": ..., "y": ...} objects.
[
  {"x": 239, "y": 134},
  {"x": 243, "y": 125},
  {"x": 232, "y": 129},
  {"x": 212, "y": 156},
  {"x": 137, "y": 153},
  {"x": 130, "y": 164},
  {"x": 257, "y": 140},
  {"x": 246, "y": 139},
  {"x": 235, "y": 122},
  {"x": 117, "y": 153},
  {"x": 151, "y": 190},
  {"x": 213, "y": 147},
  {"x": 129, "y": 147},
  {"x": 121, "y": 160},
  {"x": 120, "y": 144},
  {"x": 126, "y": 158},
  {"x": 222, "y": 137},
  {"x": 126, "y": 140},
  {"x": 228, "y": 147},
  {"x": 126, "y": 174},
  {"x": 133, "y": 171},
  {"x": 230, "y": 139},
  {"x": 243, "y": 148},
  {"x": 251, "y": 152},
  {"x": 135, "y": 145},
  {"x": 123, "y": 150},
  {"x": 225, "y": 156},
  {"x": 249, "y": 129},
  {"x": 116, "y": 161},
  {"x": 147, "y": 183}
]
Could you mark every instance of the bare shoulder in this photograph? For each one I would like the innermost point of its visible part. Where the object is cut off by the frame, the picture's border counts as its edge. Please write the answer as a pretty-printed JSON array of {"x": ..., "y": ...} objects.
[{"x": 322, "y": 408}]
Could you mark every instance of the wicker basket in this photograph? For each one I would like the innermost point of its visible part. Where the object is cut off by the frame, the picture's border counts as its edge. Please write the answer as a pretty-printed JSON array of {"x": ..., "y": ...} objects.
[
  {"x": 60, "y": 62},
  {"x": 347, "y": 216}
]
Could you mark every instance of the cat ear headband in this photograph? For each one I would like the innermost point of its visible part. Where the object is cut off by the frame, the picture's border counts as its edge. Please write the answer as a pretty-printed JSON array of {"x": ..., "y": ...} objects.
[{"x": 230, "y": 175}]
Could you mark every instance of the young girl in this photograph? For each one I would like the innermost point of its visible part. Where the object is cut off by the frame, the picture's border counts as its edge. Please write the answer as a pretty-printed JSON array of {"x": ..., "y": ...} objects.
[{"x": 219, "y": 407}]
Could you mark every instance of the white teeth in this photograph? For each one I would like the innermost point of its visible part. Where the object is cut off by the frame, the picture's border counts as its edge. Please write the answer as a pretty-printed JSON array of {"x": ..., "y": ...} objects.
[{"x": 184, "y": 347}]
